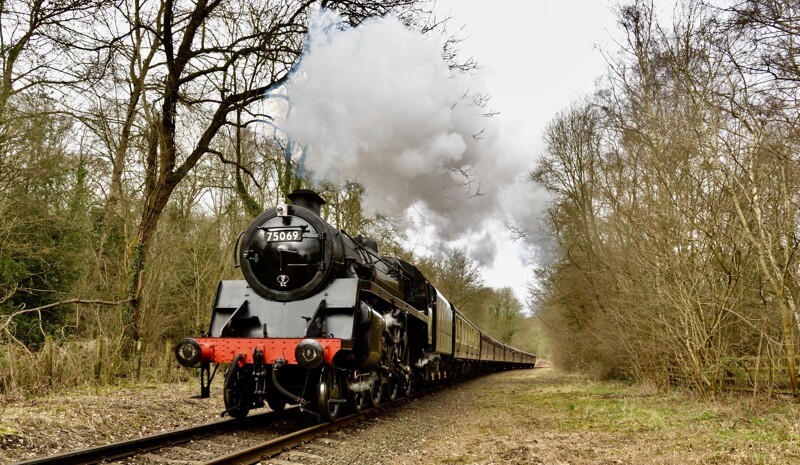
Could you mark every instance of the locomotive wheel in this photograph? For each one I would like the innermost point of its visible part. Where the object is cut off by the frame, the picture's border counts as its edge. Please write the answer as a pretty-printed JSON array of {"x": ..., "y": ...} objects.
[
  {"x": 426, "y": 375},
  {"x": 376, "y": 393},
  {"x": 236, "y": 395},
  {"x": 393, "y": 389},
  {"x": 408, "y": 387},
  {"x": 359, "y": 401},
  {"x": 358, "y": 396},
  {"x": 329, "y": 388}
]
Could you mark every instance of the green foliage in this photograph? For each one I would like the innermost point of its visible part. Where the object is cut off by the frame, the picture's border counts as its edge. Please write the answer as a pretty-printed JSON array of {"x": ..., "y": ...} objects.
[{"x": 47, "y": 229}]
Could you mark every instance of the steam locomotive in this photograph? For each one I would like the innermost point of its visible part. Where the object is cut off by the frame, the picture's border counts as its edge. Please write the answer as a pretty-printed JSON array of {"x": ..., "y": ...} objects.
[{"x": 323, "y": 320}]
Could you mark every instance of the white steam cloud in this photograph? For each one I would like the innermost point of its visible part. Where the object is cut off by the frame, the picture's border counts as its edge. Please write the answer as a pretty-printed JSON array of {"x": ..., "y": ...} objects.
[
  {"x": 426, "y": 359},
  {"x": 363, "y": 384},
  {"x": 391, "y": 322},
  {"x": 378, "y": 104}
]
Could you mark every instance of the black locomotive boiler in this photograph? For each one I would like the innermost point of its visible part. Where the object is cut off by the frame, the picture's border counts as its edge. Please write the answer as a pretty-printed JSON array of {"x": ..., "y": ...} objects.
[{"x": 322, "y": 320}]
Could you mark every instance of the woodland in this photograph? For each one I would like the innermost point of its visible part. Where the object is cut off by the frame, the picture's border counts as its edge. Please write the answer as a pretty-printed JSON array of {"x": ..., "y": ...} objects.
[
  {"x": 133, "y": 151},
  {"x": 675, "y": 204},
  {"x": 134, "y": 147}
]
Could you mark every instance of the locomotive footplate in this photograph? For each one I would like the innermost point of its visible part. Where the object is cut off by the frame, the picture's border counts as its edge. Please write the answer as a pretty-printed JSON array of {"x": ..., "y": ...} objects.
[{"x": 204, "y": 350}]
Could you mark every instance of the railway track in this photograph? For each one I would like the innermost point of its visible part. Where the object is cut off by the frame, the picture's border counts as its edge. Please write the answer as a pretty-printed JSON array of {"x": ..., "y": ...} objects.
[
  {"x": 196, "y": 441},
  {"x": 257, "y": 438},
  {"x": 285, "y": 445}
]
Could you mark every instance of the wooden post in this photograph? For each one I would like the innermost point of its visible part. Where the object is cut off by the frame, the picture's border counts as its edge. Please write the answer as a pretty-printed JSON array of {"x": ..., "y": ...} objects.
[
  {"x": 48, "y": 360},
  {"x": 12, "y": 381},
  {"x": 168, "y": 357},
  {"x": 138, "y": 359},
  {"x": 98, "y": 359}
]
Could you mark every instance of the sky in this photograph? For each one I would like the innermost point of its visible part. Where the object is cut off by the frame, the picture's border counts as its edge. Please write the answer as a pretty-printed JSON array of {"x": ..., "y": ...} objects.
[{"x": 537, "y": 57}]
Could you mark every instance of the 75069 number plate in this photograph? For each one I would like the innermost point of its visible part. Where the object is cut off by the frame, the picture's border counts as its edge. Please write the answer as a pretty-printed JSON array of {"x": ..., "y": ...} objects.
[{"x": 284, "y": 235}]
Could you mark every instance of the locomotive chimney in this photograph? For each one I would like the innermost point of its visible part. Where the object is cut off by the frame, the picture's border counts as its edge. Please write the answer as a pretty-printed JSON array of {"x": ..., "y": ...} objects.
[{"x": 308, "y": 199}]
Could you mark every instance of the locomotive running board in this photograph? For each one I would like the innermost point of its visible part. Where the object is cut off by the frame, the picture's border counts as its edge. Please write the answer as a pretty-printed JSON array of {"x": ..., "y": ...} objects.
[{"x": 378, "y": 291}]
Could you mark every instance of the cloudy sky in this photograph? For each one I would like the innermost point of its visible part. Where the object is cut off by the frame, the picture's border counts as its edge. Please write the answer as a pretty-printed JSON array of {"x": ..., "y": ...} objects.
[{"x": 537, "y": 57}]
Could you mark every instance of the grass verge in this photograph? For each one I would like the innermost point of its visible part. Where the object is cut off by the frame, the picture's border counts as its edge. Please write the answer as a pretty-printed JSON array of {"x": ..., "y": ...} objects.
[{"x": 544, "y": 416}]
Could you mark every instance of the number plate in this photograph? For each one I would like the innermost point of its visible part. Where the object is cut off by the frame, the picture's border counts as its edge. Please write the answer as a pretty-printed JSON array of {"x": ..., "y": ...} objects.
[{"x": 284, "y": 235}]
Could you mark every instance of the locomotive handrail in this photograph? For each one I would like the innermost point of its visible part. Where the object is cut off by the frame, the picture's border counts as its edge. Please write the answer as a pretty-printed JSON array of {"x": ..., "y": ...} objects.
[
  {"x": 361, "y": 246},
  {"x": 378, "y": 290},
  {"x": 236, "y": 263}
]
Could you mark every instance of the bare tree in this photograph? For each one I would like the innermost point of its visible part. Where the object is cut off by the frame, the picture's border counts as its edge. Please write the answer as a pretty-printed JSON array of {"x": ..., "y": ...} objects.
[{"x": 202, "y": 45}]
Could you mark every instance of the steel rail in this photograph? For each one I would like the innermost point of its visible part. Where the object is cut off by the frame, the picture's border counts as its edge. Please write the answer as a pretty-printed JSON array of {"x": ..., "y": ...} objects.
[
  {"x": 275, "y": 446},
  {"x": 118, "y": 450},
  {"x": 130, "y": 447}
]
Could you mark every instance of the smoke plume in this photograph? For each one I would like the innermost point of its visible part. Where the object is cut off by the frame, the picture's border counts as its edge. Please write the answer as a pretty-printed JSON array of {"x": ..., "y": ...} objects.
[{"x": 378, "y": 104}]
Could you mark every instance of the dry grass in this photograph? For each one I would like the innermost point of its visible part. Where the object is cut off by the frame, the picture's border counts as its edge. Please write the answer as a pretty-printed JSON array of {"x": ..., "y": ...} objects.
[
  {"x": 544, "y": 416},
  {"x": 78, "y": 363},
  {"x": 89, "y": 416}
]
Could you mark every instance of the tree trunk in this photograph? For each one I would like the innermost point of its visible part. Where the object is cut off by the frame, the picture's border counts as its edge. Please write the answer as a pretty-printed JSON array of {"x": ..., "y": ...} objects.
[
  {"x": 251, "y": 206},
  {"x": 147, "y": 228},
  {"x": 98, "y": 359}
]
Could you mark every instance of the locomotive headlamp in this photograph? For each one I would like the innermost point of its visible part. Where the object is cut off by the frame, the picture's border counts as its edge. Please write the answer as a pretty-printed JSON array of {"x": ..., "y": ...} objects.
[
  {"x": 189, "y": 353},
  {"x": 281, "y": 209},
  {"x": 309, "y": 353}
]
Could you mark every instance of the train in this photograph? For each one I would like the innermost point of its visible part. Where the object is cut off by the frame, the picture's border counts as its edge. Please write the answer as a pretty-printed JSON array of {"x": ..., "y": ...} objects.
[{"x": 323, "y": 320}]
